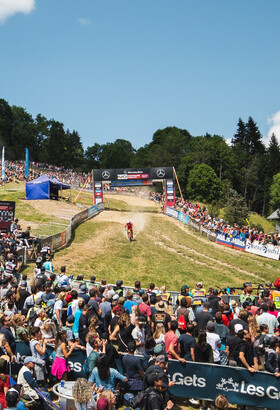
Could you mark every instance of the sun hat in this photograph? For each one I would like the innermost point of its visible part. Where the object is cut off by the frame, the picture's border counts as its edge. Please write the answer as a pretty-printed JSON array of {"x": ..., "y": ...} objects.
[{"x": 160, "y": 306}]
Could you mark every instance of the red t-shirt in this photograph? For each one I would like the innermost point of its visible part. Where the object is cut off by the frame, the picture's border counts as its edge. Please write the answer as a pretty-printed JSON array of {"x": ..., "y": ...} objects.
[{"x": 145, "y": 309}]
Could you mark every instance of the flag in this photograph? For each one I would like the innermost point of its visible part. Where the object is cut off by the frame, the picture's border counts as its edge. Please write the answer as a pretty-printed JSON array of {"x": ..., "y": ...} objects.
[
  {"x": 26, "y": 172},
  {"x": 3, "y": 163}
]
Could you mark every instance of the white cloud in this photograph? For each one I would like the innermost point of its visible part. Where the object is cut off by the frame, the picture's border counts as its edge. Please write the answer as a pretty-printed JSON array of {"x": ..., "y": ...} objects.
[
  {"x": 274, "y": 122},
  {"x": 10, "y": 7},
  {"x": 84, "y": 21}
]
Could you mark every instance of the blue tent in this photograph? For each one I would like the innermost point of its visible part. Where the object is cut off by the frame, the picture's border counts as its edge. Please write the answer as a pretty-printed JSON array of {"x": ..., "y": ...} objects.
[{"x": 44, "y": 188}]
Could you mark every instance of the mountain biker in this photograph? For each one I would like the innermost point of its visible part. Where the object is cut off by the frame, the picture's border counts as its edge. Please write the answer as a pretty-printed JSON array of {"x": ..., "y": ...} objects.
[{"x": 129, "y": 227}]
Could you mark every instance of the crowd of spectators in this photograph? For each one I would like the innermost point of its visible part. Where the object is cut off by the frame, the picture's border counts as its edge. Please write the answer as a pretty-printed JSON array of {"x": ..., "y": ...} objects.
[
  {"x": 201, "y": 215},
  {"x": 108, "y": 324}
]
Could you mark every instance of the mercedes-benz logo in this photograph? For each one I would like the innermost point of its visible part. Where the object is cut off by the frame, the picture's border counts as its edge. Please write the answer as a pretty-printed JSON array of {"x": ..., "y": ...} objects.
[
  {"x": 105, "y": 174},
  {"x": 160, "y": 173}
]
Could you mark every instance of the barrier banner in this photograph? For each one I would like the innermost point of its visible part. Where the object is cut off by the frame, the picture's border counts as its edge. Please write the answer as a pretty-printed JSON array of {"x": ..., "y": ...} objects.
[
  {"x": 268, "y": 251},
  {"x": 183, "y": 218},
  {"x": 211, "y": 235},
  {"x": 202, "y": 381},
  {"x": 172, "y": 212},
  {"x": 235, "y": 243},
  {"x": 92, "y": 210},
  {"x": 56, "y": 241},
  {"x": 81, "y": 216},
  {"x": 195, "y": 225}
]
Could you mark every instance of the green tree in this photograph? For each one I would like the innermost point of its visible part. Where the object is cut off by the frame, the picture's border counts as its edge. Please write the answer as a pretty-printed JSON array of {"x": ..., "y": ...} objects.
[
  {"x": 236, "y": 210},
  {"x": 275, "y": 192},
  {"x": 116, "y": 154},
  {"x": 6, "y": 126},
  {"x": 203, "y": 184},
  {"x": 23, "y": 134},
  {"x": 92, "y": 157}
]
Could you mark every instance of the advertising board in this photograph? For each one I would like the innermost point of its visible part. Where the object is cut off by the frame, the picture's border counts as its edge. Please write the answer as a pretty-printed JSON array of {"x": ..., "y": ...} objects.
[{"x": 268, "y": 251}]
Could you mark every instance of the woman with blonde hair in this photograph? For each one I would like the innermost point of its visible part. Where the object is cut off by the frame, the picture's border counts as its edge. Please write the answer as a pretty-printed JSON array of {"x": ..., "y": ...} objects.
[
  {"x": 254, "y": 329},
  {"x": 83, "y": 395},
  {"x": 159, "y": 334},
  {"x": 111, "y": 397},
  {"x": 235, "y": 309},
  {"x": 21, "y": 332},
  {"x": 48, "y": 330}
]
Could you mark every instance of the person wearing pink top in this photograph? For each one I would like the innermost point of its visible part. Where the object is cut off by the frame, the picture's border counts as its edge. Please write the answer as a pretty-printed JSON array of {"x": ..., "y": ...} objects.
[
  {"x": 144, "y": 307},
  {"x": 171, "y": 342}
]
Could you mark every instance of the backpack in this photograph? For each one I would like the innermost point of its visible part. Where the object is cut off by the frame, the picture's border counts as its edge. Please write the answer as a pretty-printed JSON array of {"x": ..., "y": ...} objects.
[
  {"x": 86, "y": 363},
  {"x": 32, "y": 317},
  {"x": 259, "y": 344},
  {"x": 50, "y": 306},
  {"x": 277, "y": 283},
  {"x": 140, "y": 401},
  {"x": 182, "y": 322}
]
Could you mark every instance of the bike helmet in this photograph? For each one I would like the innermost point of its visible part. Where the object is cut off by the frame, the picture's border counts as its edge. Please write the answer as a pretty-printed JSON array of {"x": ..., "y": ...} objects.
[{"x": 128, "y": 221}]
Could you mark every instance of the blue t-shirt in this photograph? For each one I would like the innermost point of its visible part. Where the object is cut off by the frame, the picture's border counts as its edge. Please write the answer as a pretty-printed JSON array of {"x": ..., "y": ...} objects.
[
  {"x": 109, "y": 384},
  {"x": 128, "y": 305}
]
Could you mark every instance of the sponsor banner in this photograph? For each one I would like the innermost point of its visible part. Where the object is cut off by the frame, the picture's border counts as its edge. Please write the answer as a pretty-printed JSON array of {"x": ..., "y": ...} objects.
[
  {"x": 133, "y": 173},
  {"x": 63, "y": 238},
  {"x": 211, "y": 235},
  {"x": 68, "y": 234},
  {"x": 172, "y": 212},
  {"x": 183, "y": 218},
  {"x": 196, "y": 380},
  {"x": 202, "y": 381},
  {"x": 56, "y": 241},
  {"x": 92, "y": 210},
  {"x": 268, "y": 251},
  {"x": 235, "y": 243},
  {"x": 81, "y": 216},
  {"x": 26, "y": 169},
  {"x": 195, "y": 225},
  {"x": 101, "y": 206},
  {"x": 7, "y": 214}
]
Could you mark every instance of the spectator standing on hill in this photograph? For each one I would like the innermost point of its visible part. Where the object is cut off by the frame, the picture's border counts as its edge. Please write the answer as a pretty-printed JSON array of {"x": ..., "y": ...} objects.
[
  {"x": 48, "y": 265},
  {"x": 241, "y": 321}
]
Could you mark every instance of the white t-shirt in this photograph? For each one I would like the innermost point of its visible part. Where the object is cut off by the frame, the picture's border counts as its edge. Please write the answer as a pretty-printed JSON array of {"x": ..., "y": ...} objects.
[
  {"x": 139, "y": 336},
  {"x": 213, "y": 339},
  {"x": 58, "y": 305}
]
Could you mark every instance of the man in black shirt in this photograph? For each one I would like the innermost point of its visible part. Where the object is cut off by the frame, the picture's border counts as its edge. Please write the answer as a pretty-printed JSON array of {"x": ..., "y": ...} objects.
[
  {"x": 203, "y": 317},
  {"x": 6, "y": 331},
  {"x": 84, "y": 324}
]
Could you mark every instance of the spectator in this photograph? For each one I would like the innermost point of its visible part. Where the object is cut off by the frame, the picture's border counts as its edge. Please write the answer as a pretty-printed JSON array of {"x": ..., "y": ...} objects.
[
  {"x": 84, "y": 324},
  {"x": 129, "y": 302},
  {"x": 246, "y": 356},
  {"x": 139, "y": 334},
  {"x": 241, "y": 321},
  {"x": 223, "y": 332},
  {"x": 9, "y": 337},
  {"x": 104, "y": 376},
  {"x": 83, "y": 395},
  {"x": 58, "y": 306},
  {"x": 60, "y": 366},
  {"x": 214, "y": 341},
  {"x": 203, "y": 352},
  {"x": 38, "y": 350},
  {"x": 160, "y": 317},
  {"x": 221, "y": 402},
  {"x": 144, "y": 308},
  {"x": 203, "y": 317},
  {"x": 266, "y": 319},
  {"x": 171, "y": 341},
  {"x": 187, "y": 343},
  {"x": 214, "y": 300},
  {"x": 159, "y": 334},
  {"x": 133, "y": 369},
  {"x": 272, "y": 362},
  {"x": 83, "y": 293}
]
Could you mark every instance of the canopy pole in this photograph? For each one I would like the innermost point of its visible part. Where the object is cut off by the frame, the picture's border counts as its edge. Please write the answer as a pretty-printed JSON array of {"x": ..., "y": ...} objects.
[
  {"x": 82, "y": 188},
  {"x": 182, "y": 199}
]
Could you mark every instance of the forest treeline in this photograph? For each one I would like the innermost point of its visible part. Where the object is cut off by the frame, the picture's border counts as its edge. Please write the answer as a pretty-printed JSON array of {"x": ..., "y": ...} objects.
[{"x": 208, "y": 169}]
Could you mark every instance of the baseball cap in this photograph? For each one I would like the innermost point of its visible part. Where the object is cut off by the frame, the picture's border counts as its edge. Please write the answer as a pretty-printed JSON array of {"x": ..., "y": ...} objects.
[
  {"x": 199, "y": 284},
  {"x": 29, "y": 359},
  {"x": 116, "y": 297},
  {"x": 70, "y": 319},
  {"x": 83, "y": 288},
  {"x": 238, "y": 327},
  {"x": 210, "y": 326},
  {"x": 161, "y": 358}
]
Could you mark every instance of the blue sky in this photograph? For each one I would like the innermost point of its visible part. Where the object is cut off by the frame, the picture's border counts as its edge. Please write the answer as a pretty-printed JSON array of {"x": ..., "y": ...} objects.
[{"x": 125, "y": 68}]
